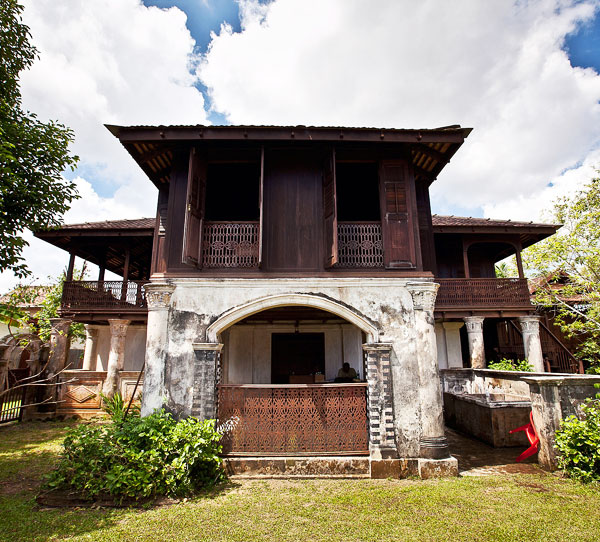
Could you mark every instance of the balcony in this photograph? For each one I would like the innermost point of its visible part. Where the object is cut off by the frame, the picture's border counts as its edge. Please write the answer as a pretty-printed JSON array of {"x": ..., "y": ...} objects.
[
  {"x": 104, "y": 296},
  {"x": 482, "y": 294}
]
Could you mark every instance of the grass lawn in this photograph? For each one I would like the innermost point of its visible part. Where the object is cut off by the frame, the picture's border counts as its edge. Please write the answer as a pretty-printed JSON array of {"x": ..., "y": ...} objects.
[{"x": 508, "y": 507}]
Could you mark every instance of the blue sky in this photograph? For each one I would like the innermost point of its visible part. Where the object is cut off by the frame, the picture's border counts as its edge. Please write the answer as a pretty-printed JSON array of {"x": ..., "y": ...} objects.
[{"x": 523, "y": 75}]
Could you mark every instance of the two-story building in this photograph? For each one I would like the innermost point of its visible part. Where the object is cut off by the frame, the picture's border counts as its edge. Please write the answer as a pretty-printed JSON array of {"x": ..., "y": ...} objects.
[{"x": 277, "y": 255}]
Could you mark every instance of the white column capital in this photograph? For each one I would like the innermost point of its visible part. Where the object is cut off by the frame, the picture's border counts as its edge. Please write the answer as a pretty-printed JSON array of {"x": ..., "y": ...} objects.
[
  {"x": 529, "y": 324},
  {"x": 474, "y": 324},
  {"x": 158, "y": 295},
  {"x": 423, "y": 295},
  {"x": 118, "y": 328}
]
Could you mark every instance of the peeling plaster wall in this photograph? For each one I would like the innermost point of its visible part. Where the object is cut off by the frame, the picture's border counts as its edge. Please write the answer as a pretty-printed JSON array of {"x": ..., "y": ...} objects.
[{"x": 385, "y": 303}]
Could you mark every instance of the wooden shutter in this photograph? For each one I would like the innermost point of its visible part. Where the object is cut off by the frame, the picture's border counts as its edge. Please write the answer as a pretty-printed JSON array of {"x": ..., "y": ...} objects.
[
  {"x": 330, "y": 210},
  {"x": 260, "y": 206},
  {"x": 194, "y": 210},
  {"x": 397, "y": 214}
]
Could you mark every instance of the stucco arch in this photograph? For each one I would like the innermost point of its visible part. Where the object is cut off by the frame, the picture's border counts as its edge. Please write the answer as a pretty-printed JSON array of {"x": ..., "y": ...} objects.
[{"x": 236, "y": 314}]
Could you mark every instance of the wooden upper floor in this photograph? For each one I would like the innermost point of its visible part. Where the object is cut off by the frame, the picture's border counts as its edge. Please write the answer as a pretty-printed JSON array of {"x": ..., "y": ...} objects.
[{"x": 297, "y": 201}]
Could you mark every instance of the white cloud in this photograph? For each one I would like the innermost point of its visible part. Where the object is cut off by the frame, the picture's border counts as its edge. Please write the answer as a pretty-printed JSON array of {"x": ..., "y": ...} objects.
[
  {"x": 495, "y": 66},
  {"x": 106, "y": 61}
]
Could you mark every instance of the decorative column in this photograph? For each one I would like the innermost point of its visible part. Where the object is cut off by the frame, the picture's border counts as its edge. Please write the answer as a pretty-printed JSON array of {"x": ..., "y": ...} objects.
[
  {"x": 158, "y": 296},
  {"x": 433, "y": 443},
  {"x": 89, "y": 351},
  {"x": 453, "y": 348},
  {"x": 116, "y": 356},
  {"x": 476, "y": 348},
  {"x": 206, "y": 378},
  {"x": 382, "y": 441},
  {"x": 530, "y": 326}
]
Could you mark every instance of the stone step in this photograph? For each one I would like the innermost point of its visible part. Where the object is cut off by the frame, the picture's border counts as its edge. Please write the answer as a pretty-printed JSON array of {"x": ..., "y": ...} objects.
[{"x": 298, "y": 467}]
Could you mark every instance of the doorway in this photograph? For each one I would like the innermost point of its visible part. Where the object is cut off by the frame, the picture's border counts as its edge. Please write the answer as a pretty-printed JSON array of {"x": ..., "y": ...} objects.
[{"x": 296, "y": 357}]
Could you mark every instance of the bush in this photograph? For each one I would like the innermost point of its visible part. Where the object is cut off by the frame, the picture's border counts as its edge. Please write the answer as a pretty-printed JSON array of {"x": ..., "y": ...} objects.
[
  {"x": 510, "y": 365},
  {"x": 578, "y": 443},
  {"x": 140, "y": 457}
]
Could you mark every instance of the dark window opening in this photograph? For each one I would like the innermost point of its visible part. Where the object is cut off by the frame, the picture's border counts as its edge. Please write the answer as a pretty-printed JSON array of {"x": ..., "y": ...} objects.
[
  {"x": 232, "y": 192},
  {"x": 357, "y": 187},
  {"x": 298, "y": 354}
]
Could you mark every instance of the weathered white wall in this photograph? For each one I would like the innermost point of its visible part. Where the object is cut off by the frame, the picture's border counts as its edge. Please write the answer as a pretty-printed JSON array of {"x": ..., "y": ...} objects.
[
  {"x": 135, "y": 348},
  {"x": 386, "y": 304},
  {"x": 246, "y": 354}
]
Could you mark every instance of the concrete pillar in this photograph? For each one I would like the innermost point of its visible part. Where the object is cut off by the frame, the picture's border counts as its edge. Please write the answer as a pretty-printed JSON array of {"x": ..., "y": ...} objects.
[
  {"x": 530, "y": 326},
  {"x": 553, "y": 398},
  {"x": 453, "y": 346},
  {"x": 476, "y": 348},
  {"x": 440, "y": 339},
  {"x": 206, "y": 378},
  {"x": 433, "y": 443},
  {"x": 57, "y": 358},
  {"x": 382, "y": 441},
  {"x": 158, "y": 296},
  {"x": 90, "y": 349},
  {"x": 116, "y": 356},
  {"x": 59, "y": 345}
]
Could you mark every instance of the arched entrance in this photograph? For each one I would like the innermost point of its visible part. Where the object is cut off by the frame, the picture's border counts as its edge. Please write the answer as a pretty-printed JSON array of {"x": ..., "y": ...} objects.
[{"x": 278, "y": 372}]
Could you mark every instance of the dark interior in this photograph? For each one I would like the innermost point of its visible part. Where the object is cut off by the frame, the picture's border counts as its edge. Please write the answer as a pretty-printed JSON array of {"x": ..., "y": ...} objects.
[
  {"x": 232, "y": 192},
  {"x": 357, "y": 187},
  {"x": 297, "y": 354}
]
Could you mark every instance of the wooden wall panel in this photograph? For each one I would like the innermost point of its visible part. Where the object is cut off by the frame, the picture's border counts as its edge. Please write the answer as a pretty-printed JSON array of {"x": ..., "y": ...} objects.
[{"x": 293, "y": 211}]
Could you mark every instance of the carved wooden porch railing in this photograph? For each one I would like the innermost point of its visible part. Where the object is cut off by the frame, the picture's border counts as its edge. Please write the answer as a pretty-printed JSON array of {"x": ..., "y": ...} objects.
[
  {"x": 295, "y": 419},
  {"x": 230, "y": 244},
  {"x": 482, "y": 293},
  {"x": 104, "y": 294},
  {"x": 360, "y": 244}
]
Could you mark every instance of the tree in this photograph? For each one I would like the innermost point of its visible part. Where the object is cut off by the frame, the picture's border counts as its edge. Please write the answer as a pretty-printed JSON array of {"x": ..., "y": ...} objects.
[
  {"x": 33, "y": 154},
  {"x": 568, "y": 266}
]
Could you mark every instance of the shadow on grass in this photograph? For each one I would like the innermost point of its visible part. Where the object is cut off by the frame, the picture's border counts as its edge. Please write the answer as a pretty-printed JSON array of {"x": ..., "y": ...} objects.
[{"x": 21, "y": 519}]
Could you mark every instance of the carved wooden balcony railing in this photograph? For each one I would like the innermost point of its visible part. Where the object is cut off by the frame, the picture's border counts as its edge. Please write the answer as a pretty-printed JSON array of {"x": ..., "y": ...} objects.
[
  {"x": 295, "y": 419},
  {"x": 482, "y": 293},
  {"x": 230, "y": 244},
  {"x": 104, "y": 295},
  {"x": 359, "y": 244}
]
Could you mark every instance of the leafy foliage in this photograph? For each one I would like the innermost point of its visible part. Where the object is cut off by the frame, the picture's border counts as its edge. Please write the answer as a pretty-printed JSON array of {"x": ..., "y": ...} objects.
[
  {"x": 506, "y": 364},
  {"x": 569, "y": 266},
  {"x": 578, "y": 443},
  {"x": 140, "y": 457},
  {"x": 116, "y": 408},
  {"x": 33, "y": 154},
  {"x": 39, "y": 325}
]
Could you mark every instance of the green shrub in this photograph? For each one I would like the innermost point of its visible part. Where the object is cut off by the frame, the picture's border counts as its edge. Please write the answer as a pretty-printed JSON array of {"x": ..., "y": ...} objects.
[
  {"x": 140, "y": 457},
  {"x": 578, "y": 443},
  {"x": 510, "y": 365}
]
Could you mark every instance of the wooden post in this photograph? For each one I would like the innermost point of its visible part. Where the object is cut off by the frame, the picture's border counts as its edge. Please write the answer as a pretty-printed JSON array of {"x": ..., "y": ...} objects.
[
  {"x": 519, "y": 261},
  {"x": 71, "y": 267},
  {"x": 466, "y": 260},
  {"x": 125, "y": 276}
]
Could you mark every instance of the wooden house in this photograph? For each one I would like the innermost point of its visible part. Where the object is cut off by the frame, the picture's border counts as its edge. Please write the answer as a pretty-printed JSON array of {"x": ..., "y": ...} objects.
[{"x": 278, "y": 254}]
